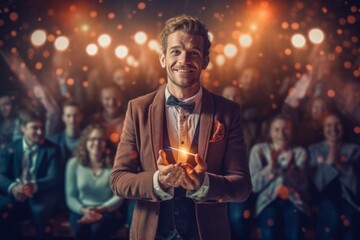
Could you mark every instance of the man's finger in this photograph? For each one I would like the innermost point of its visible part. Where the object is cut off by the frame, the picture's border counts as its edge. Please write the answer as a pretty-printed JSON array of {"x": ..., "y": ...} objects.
[
  {"x": 200, "y": 162},
  {"x": 162, "y": 158}
]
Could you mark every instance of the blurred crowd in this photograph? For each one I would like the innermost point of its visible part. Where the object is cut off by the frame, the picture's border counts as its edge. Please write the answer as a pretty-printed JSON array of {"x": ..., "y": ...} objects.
[{"x": 303, "y": 150}]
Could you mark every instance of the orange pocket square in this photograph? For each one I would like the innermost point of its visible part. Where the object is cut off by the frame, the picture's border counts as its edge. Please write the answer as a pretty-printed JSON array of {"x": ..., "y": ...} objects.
[{"x": 219, "y": 132}]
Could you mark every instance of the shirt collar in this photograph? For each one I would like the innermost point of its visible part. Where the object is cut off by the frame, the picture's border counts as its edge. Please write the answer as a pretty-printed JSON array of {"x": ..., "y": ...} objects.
[{"x": 26, "y": 146}]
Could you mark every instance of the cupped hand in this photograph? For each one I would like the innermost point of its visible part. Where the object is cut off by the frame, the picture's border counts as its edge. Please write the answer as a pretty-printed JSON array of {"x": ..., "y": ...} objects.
[
  {"x": 194, "y": 177},
  {"x": 170, "y": 175}
]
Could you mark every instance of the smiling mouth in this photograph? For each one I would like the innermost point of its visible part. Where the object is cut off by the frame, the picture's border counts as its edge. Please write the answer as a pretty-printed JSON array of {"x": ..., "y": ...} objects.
[{"x": 184, "y": 70}]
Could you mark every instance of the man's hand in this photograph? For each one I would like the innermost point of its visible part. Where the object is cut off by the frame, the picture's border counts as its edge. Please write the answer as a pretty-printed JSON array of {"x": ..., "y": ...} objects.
[
  {"x": 29, "y": 189},
  {"x": 17, "y": 192},
  {"x": 170, "y": 175},
  {"x": 194, "y": 176}
]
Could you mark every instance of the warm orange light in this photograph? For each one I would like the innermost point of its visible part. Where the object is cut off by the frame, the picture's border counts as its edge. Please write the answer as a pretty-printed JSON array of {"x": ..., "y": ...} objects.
[
  {"x": 91, "y": 49},
  {"x": 182, "y": 151},
  {"x": 140, "y": 37},
  {"x": 245, "y": 40},
  {"x": 230, "y": 50},
  {"x": 121, "y": 51},
  {"x": 298, "y": 40},
  {"x": 104, "y": 40}
]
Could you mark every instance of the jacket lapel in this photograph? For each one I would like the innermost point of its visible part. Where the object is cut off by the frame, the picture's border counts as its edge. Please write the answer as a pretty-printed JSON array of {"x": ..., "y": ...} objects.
[
  {"x": 206, "y": 123},
  {"x": 157, "y": 109},
  {"x": 40, "y": 156},
  {"x": 18, "y": 156}
]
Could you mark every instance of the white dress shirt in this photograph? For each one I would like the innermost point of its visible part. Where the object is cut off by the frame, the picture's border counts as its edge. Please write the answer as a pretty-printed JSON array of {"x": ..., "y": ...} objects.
[{"x": 181, "y": 127}]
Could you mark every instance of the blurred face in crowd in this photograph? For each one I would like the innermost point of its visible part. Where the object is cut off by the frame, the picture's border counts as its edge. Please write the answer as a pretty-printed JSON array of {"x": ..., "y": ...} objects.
[
  {"x": 318, "y": 109},
  {"x": 6, "y": 106},
  {"x": 184, "y": 60},
  {"x": 232, "y": 93},
  {"x": 248, "y": 80},
  {"x": 119, "y": 78},
  {"x": 280, "y": 133},
  {"x": 96, "y": 143},
  {"x": 111, "y": 101},
  {"x": 72, "y": 118},
  {"x": 333, "y": 129},
  {"x": 33, "y": 132}
]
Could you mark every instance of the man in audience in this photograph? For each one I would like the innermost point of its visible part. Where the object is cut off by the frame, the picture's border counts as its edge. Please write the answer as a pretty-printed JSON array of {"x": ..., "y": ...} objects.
[{"x": 29, "y": 179}]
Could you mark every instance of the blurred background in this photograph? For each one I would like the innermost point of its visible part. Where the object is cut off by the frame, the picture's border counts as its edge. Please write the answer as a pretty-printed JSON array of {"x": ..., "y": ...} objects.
[{"x": 78, "y": 41}]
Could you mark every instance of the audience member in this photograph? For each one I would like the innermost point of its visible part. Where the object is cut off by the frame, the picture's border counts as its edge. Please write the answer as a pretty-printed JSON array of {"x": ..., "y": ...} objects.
[
  {"x": 9, "y": 123},
  {"x": 29, "y": 179},
  {"x": 335, "y": 183},
  {"x": 309, "y": 123},
  {"x": 67, "y": 139},
  {"x": 88, "y": 194},
  {"x": 112, "y": 115},
  {"x": 279, "y": 178}
]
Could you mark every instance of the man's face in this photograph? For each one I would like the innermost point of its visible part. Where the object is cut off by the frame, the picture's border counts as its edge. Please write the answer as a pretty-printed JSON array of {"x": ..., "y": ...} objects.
[
  {"x": 6, "y": 106},
  {"x": 33, "y": 132},
  {"x": 184, "y": 59},
  {"x": 248, "y": 80},
  {"x": 110, "y": 100},
  {"x": 72, "y": 117},
  {"x": 233, "y": 93}
]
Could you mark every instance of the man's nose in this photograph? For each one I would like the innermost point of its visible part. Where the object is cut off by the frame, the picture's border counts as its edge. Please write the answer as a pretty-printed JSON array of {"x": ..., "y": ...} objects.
[{"x": 184, "y": 57}]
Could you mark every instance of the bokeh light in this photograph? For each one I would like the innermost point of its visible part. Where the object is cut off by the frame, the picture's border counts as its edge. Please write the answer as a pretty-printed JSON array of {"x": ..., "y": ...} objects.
[
  {"x": 298, "y": 40},
  {"x": 230, "y": 50},
  {"x": 245, "y": 40},
  {"x": 316, "y": 35},
  {"x": 104, "y": 40},
  {"x": 121, "y": 51},
  {"x": 61, "y": 43},
  {"x": 92, "y": 49},
  {"x": 140, "y": 37},
  {"x": 38, "y": 37},
  {"x": 220, "y": 60},
  {"x": 154, "y": 45}
]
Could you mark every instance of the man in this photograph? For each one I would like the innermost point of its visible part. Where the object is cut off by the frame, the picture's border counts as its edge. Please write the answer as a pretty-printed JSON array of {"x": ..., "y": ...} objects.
[
  {"x": 112, "y": 115},
  {"x": 179, "y": 195},
  {"x": 28, "y": 179},
  {"x": 67, "y": 139}
]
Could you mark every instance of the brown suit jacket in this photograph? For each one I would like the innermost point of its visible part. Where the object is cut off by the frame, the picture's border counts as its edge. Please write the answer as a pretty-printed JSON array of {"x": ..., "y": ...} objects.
[{"x": 225, "y": 155}]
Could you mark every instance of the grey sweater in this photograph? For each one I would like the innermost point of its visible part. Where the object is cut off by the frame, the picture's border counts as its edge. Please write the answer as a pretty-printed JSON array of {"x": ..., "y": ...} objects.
[{"x": 83, "y": 189}]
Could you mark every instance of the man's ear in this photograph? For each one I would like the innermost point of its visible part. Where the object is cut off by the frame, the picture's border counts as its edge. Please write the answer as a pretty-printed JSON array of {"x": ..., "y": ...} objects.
[
  {"x": 162, "y": 60},
  {"x": 206, "y": 62}
]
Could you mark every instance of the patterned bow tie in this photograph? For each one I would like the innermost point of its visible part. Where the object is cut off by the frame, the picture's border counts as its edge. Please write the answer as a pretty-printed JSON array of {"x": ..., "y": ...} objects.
[{"x": 173, "y": 101}]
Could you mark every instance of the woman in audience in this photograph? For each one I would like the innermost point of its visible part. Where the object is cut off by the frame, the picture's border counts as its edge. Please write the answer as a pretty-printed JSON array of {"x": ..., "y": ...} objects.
[
  {"x": 309, "y": 123},
  {"x": 334, "y": 176},
  {"x": 279, "y": 178},
  {"x": 88, "y": 194}
]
